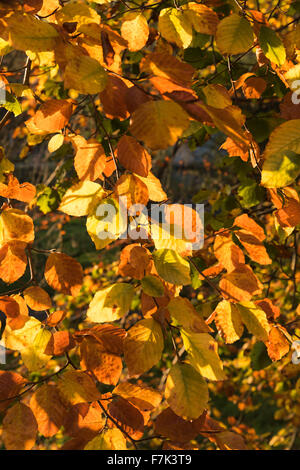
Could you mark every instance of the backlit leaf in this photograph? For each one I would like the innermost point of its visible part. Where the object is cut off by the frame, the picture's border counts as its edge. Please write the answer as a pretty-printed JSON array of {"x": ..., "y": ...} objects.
[
  {"x": 143, "y": 346},
  {"x": 186, "y": 391}
]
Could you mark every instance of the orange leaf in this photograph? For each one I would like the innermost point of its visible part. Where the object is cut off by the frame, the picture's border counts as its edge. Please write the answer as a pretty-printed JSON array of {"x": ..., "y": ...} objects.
[
  {"x": 53, "y": 115},
  {"x": 37, "y": 298},
  {"x": 278, "y": 346},
  {"x": 227, "y": 252},
  {"x": 168, "y": 66},
  {"x": 90, "y": 159},
  {"x": 105, "y": 366},
  {"x": 14, "y": 190},
  {"x": 248, "y": 224},
  {"x": 113, "y": 98},
  {"x": 133, "y": 156},
  {"x": 64, "y": 274},
  {"x": 13, "y": 261},
  {"x": 48, "y": 408},
  {"x": 10, "y": 385},
  {"x": 19, "y": 428},
  {"x": 84, "y": 421},
  {"x": 240, "y": 284}
]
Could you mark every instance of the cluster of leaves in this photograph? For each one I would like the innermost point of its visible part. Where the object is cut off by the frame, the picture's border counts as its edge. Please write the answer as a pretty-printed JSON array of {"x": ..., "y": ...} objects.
[{"x": 125, "y": 354}]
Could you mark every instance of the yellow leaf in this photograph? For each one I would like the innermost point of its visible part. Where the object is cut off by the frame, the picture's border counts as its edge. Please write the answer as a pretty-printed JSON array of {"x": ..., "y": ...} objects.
[
  {"x": 186, "y": 316},
  {"x": 255, "y": 320},
  {"x": 234, "y": 35},
  {"x": 106, "y": 221},
  {"x": 85, "y": 75},
  {"x": 228, "y": 321},
  {"x": 77, "y": 200},
  {"x": 202, "y": 355},
  {"x": 159, "y": 123},
  {"x": 135, "y": 30},
  {"x": 28, "y": 33},
  {"x": 33, "y": 355},
  {"x": 284, "y": 137},
  {"x": 16, "y": 225},
  {"x": 111, "y": 303},
  {"x": 131, "y": 190},
  {"x": 217, "y": 96},
  {"x": 55, "y": 142},
  {"x": 19, "y": 428},
  {"x": 110, "y": 439},
  {"x": 186, "y": 391},
  {"x": 143, "y": 346},
  {"x": 78, "y": 387},
  {"x": 203, "y": 19},
  {"x": 37, "y": 298},
  {"x": 172, "y": 267},
  {"x": 23, "y": 337},
  {"x": 175, "y": 26},
  {"x": 156, "y": 193},
  {"x": 77, "y": 13}
]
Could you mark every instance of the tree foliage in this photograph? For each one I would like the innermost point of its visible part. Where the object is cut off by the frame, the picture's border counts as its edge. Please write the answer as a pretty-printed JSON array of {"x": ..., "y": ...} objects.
[{"x": 148, "y": 343}]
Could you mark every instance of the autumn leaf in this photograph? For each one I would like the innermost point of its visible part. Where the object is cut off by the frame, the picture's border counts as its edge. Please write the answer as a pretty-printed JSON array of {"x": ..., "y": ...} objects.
[
  {"x": 135, "y": 30},
  {"x": 63, "y": 273},
  {"x": 202, "y": 355},
  {"x": 76, "y": 386},
  {"x": 48, "y": 409},
  {"x": 19, "y": 428},
  {"x": 186, "y": 391},
  {"x": 228, "y": 321},
  {"x": 143, "y": 346},
  {"x": 133, "y": 156},
  {"x": 159, "y": 123}
]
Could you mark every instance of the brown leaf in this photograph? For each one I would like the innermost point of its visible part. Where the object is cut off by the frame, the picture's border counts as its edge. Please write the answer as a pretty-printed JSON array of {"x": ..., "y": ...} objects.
[
  {"x": 173, "y": 427},
  {"x": 113, "y": 98},
  {"x": 11, "y": 384},
  {"x": 128, "y": 417},
  {"x": 133, "y": 156}
]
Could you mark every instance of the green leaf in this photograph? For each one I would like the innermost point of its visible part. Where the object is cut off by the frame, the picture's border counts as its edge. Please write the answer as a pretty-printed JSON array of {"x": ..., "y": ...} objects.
[
  {"x": 172, "y": 267},
  {"x": 272, "y": 46},
  {"x": 152, "y": 286},
  {"x": 12, "y": 104},
  {"x": 280, "y": 170},
  {"x": 250, "y": 193}
]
